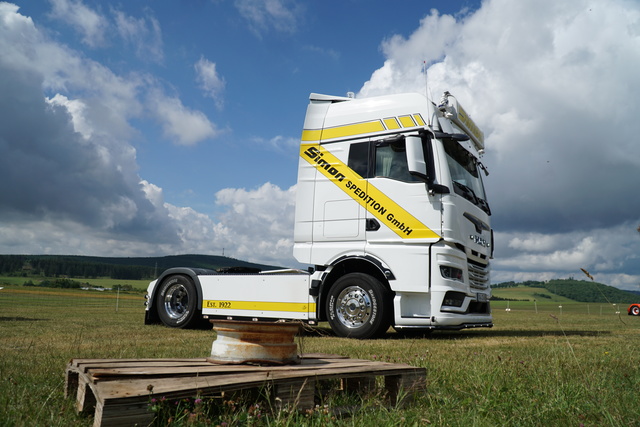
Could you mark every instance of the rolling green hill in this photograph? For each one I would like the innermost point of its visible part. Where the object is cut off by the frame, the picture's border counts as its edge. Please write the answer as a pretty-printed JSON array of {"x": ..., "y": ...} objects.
[
  {"x": 527, "y": 293},
  {"x": 116, "y": 268},
  {"x": 561, "y": 290}
]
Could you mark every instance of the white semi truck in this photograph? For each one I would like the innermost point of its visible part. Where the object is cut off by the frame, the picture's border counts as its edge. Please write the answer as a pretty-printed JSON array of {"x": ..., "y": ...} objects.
[{"x": 392, "y": 213}]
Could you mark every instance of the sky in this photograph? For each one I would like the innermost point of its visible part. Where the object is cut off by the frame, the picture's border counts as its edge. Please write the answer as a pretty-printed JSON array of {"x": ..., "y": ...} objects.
[{"x": 152, "y": 128}]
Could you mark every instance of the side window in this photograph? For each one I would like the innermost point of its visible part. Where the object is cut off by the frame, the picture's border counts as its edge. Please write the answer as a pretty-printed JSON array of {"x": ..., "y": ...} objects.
[
  {"x": 359, "y": 158},
  {"x": 391, "y": 161}
]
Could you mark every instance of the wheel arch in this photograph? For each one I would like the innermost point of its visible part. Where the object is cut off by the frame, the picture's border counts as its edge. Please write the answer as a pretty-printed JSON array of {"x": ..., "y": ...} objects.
[{"x": 351, "y": 264}]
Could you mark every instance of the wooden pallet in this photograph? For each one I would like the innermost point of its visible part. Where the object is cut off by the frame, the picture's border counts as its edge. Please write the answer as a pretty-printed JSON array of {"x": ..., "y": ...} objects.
[{"x": 119, "y": 390}]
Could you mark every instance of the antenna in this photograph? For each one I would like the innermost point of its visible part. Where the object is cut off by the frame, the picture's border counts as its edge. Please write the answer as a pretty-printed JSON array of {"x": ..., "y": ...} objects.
[
  {"x": 426, "y": 92},
  {"x": 426, "y": 80}
]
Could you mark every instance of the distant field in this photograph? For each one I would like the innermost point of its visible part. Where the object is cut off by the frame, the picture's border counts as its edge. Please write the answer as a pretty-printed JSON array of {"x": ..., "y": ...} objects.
[
  {"x": 527, "y": 293},
  {"x": 102, "y": 281},
  {"x": 530, "y": 299},
  {"x": 541, "y": 365}
]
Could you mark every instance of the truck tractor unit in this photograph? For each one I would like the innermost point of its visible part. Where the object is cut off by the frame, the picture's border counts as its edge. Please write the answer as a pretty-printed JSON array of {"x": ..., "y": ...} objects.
[{"x": 392, "y": 214}]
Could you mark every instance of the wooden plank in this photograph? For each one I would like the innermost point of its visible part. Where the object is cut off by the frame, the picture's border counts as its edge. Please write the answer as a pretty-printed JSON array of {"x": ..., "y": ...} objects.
[
  {"x": 322, "y": 356},
  {"x": 70, "y": 383},
  {"x": 75, "y": 362},
  {"x": 162, "y": 386},
  {"x": 84, "y": 366},
  {"x": 85, "y": 397},
  {"x": 123, "y": 414},
  {"x": 100, "y": 373},
  {"x": 402, "y": 388},
  {"x": 296, "y": 393}
]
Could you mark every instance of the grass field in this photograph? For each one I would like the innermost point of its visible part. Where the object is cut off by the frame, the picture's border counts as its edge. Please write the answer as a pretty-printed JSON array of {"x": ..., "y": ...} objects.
[{"x": 541, "y": 365}]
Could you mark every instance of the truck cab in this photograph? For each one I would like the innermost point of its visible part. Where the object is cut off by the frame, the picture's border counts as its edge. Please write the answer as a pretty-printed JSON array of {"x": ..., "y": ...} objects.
[{"x": 392, "y": 212}]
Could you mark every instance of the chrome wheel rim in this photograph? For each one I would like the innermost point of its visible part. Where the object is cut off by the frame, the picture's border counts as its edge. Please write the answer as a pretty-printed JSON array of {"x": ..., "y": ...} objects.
[
  {"x": 176, "y": 301},
  {"x": 353, "y": 307}
]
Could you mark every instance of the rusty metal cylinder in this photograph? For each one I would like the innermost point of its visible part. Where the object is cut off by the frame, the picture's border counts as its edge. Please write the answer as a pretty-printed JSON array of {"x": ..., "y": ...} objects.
[{"x": 265, "y": 343}]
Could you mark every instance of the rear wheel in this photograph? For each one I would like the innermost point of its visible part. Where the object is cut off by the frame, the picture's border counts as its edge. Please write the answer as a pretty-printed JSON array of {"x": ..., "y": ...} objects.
[
  {"x": 359, "y": 307},
  {"x": 176, "y": 302},
  {"x": 635, "y": 310}
]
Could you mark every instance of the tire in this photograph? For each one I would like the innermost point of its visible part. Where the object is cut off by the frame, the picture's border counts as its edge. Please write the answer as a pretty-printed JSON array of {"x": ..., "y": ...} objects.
[
  {"x": 176, "y": 302},
  {"x": 635, "y": 310},
  {"x": 359, "y": 306}
]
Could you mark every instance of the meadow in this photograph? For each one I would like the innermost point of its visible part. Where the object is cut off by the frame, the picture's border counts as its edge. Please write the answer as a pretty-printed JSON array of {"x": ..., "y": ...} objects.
[{"x": 548, "y": 363}]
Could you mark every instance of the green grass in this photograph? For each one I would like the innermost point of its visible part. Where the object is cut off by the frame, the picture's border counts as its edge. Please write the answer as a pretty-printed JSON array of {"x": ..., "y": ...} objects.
[{"x": 571, "y": 366}]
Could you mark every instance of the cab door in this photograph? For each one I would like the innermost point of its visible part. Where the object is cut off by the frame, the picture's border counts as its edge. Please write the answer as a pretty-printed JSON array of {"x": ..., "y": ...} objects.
[{"x": 403, "y": 210}]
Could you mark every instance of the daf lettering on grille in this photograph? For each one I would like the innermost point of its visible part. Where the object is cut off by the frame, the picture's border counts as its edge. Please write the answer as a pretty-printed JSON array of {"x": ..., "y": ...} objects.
[{"x": 479, "y": 240}]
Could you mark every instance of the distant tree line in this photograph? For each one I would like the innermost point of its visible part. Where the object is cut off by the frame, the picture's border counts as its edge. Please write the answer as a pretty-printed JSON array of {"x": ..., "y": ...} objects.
[
  {"x": 73, "y": 284},
  {"x": 577, "y": 290},
  {"x": 528, "y": 283},
  {"x": 56, "y": 283},
  {"x": 60, "y": 266},
  {"x": 495, "y": 298}
]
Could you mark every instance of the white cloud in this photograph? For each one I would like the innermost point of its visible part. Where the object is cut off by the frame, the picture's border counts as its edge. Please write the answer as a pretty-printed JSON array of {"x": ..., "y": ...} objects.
[
  {"x": 74, "y": 175},
  {"x": 179, "y": 123},
  {"x": 584, "y": 252},
  {"x": 108, "y": 100},
  {"x": 258, "y": 224},
  {"x": 551, "y": 84},
  {"x": 280, "y": 143},
  {"x": 266, "y": 15},
  {"x": 88, "y": 22},
  {"x": 153, "y": 193},
  {"x": 209, "y": 80},
  {"x": 404, "y": 57},
  {"x": 76, "y": 109},
  {"x": 144, "y": 34},
  {"x": 611, "y": 253}
]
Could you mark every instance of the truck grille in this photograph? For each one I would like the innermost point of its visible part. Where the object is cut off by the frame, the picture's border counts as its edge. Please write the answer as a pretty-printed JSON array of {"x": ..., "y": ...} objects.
[{"x": 478, "y": 275}]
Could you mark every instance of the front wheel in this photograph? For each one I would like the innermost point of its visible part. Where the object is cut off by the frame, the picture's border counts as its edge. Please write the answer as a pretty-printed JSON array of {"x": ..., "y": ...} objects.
[
  {"x": 359, "y": 307},
  {"x": 635, "y": 310},
  {"x": 176, "y": 302}
]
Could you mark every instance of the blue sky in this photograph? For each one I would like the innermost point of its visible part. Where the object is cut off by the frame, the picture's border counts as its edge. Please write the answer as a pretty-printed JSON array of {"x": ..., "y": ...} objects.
[
  {"x": 266, "y": 56},
  {"x": 145, "y": 128}
]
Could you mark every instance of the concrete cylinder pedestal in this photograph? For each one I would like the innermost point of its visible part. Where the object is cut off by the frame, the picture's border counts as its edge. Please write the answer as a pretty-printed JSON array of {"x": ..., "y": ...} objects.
[{"x": 265, "y": 343}]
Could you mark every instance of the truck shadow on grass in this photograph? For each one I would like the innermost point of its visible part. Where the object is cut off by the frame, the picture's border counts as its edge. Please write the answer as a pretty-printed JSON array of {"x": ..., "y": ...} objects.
[
  {"x": 320, "y": 331},
  {"x": 19, "y": 319},
  {"x": 512, "y": 333}
]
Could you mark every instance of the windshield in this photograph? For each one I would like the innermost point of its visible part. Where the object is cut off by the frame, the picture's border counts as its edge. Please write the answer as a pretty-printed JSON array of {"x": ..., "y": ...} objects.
[{"x": 465, "y": 173}]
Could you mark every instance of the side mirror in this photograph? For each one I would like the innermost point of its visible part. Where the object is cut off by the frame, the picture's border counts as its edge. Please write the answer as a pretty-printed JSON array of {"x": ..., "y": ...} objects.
[
  {"x": 415, "y": 157},
  {"x": 418, "y": 166}
]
